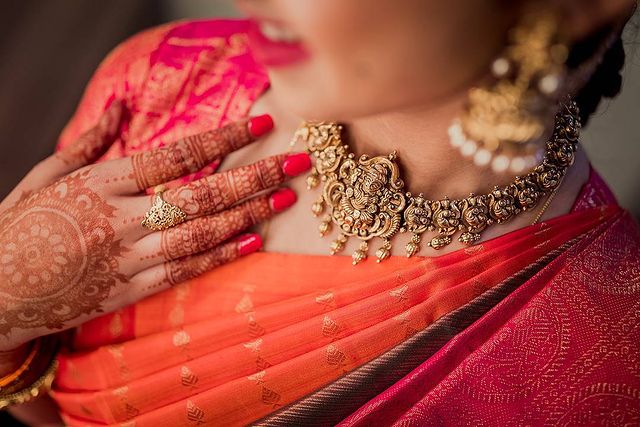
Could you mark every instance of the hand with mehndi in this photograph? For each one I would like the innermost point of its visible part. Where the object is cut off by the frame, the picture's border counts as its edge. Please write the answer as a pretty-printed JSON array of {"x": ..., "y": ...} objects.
[{"x": 71, "y": 241}]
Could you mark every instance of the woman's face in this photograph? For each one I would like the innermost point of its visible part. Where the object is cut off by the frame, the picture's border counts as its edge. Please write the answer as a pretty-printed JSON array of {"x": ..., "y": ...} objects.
[{"x": 343, "y": 59}]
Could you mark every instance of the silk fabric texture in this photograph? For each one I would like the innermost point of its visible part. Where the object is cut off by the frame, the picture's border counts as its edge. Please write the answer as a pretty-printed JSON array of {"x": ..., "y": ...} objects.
[{"x": 539, "y": 326}]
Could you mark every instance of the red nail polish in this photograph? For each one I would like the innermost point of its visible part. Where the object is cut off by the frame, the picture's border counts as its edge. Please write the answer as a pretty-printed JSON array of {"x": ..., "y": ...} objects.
[
  {"x": 260, "y": 125},
  {"x": 249, "y": 243},
  {"x": 295, "y": 164},
  {"x": 282, "y": 199}
]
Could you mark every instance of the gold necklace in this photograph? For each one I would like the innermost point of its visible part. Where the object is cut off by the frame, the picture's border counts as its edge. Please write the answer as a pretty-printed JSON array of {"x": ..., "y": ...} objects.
[{"x": 365, "y": 198}]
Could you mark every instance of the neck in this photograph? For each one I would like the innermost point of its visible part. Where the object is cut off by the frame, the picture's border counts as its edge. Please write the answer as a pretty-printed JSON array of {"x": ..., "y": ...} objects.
[{"x": 428, "y": 162}]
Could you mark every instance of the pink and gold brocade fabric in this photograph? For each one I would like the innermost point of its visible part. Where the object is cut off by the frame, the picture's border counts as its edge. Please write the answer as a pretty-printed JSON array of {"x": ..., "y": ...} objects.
[{"x": 245, "y": 342}]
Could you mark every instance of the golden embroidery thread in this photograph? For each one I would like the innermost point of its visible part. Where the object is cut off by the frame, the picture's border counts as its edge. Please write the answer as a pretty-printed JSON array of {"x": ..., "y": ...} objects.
[{"x": 365, "y": 197}]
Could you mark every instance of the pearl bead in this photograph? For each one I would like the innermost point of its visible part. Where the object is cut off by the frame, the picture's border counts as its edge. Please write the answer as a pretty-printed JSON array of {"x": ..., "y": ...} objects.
[
  {"x": 469, "y": 148},
  {"x": 482, "y": 157},
  {"x": 518, "y": 164},
  {"x": 500, "y": 67},
  {"x": 456, "y": 137},
  {"x": 500, "y": 163},
  {"x": 549, "y": 84}
]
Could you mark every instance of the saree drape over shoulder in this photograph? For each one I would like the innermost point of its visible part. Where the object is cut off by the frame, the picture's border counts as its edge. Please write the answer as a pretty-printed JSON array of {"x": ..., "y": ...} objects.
[{"x": 539, "y": 326}]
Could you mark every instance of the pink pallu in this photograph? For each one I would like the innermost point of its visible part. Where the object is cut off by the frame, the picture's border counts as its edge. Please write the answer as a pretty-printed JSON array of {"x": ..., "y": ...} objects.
[
  {"x": 562, "y": 349},
  {"x": 554, "y": 343}
]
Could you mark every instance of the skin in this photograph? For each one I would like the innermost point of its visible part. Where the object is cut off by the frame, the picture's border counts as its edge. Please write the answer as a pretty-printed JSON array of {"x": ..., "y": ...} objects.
[
  {"x": 396, "y": 74},
  {"x": 382, "y": 84},
  {"x": 71, "y": 243}
]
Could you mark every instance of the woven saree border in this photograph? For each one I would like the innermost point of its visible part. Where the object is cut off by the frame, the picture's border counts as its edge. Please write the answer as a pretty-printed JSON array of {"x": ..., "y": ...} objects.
[{"x": 336, "y": 401}]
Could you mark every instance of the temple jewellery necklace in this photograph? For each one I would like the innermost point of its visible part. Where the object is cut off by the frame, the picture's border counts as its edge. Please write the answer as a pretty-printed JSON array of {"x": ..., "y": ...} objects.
[{"x": 365, "y": 198}]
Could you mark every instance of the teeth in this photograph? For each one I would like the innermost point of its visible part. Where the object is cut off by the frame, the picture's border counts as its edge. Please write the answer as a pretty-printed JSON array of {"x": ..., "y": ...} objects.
[{"x": 276, "y": 33}]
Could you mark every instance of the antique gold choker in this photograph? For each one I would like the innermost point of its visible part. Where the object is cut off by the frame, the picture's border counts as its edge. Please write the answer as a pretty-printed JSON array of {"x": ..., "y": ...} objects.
[{"x": 365, "y": 198}]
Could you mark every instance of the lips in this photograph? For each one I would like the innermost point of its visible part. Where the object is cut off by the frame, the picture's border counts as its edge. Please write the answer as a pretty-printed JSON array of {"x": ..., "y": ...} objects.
[{"x": 273, "y": 45}]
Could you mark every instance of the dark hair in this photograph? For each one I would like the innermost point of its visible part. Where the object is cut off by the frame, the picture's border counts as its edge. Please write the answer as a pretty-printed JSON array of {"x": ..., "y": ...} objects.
[{"x": 606, "y": 81}]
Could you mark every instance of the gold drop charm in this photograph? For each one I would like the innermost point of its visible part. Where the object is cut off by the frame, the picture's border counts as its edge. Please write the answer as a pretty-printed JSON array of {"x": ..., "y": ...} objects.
[{"x": 365, "y": 197}]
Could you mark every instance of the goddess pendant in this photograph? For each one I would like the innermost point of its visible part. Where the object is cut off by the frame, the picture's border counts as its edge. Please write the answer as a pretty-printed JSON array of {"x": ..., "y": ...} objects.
[{"x": 365, "y": 198}]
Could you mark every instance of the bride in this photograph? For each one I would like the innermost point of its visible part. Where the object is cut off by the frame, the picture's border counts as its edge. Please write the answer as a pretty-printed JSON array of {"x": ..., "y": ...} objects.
[{"x": 483, "y": 273}]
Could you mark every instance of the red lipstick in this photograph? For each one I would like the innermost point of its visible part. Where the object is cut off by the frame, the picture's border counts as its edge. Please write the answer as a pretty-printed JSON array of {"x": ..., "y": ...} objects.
[{"x": 274, "y": 53}]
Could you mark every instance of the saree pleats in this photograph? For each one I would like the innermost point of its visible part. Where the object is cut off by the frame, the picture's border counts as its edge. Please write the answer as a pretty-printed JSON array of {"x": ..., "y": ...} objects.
[
  {"x": 241, "y": 378},
  {"x": 331, "y": 404}
]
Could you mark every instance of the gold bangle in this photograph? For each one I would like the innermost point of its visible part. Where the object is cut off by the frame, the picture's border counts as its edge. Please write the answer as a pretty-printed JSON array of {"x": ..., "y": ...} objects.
[
  {"x": 13, "y": 376},
  {"x": 34, "y": 376},
  {"x": 42, "y": 384}
]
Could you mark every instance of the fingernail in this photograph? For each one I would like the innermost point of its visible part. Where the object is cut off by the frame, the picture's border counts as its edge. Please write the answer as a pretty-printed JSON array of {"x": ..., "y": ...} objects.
[
  {"x": 249, "y": 243},
  {"x": 282, "y": 199},
  {"x": 260, "y": 125},
  {"x": 295, "y": 164}
]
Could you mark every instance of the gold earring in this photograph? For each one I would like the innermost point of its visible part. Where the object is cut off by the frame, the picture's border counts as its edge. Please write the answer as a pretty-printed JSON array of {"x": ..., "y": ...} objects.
[{"x": 501, "y": 122}]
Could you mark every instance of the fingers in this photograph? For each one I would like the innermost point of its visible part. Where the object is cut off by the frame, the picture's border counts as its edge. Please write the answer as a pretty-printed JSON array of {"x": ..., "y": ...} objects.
[
  {"x": 165, "y": 275},
  {"x": 206, "y": 232},
  {"x": 92, "y": 144},
  {"x": 85, "y": 150},
  {"x": 189, "y": 155},
  {"x": 223, "y": 190}
]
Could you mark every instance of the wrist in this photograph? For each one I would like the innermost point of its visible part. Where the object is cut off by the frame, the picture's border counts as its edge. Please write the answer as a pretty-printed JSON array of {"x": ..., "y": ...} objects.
[
  {"x": 34, "y": 375},
  {"x": 11, "y": 359}
]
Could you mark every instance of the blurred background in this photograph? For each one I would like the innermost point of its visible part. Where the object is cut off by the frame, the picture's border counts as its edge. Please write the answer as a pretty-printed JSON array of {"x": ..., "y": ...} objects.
[{"x": 50, "y": 48}]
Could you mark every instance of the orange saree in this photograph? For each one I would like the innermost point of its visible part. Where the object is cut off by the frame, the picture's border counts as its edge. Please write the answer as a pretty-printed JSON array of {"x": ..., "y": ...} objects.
[{"x": 320, "y": 344}]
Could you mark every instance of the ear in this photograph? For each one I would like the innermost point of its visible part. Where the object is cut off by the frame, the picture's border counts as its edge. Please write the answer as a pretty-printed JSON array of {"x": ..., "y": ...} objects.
[{"x": 581, "y": 18}]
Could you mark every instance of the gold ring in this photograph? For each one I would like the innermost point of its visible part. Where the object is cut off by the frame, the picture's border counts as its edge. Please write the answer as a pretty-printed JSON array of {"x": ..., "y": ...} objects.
[{"x": 163, "y": 215}]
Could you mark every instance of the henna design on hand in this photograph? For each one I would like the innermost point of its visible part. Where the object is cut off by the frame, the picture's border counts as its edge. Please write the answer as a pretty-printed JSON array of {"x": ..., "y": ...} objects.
[
  {"x": 96, "y": 141},
  {"x": 188, "y": 155},
  {"x": 183, "y": 269},
  {"x": 222, "y": 190},
  {"x": 203, "y": 233},
  {"x": 58, "y": 256}
]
